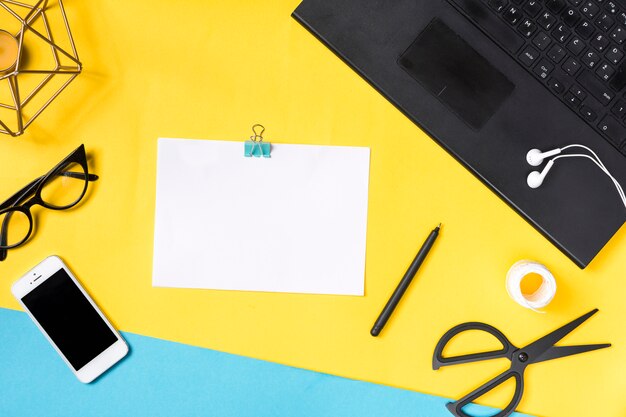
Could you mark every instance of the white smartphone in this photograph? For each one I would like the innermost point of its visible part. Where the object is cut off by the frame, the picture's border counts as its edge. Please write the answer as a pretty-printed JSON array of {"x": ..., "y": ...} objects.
[{"x": 69, "y": 319}]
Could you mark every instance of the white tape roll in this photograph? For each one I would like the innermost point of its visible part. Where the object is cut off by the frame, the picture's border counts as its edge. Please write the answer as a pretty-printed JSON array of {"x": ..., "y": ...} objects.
[{"x": 540, "y": 298}]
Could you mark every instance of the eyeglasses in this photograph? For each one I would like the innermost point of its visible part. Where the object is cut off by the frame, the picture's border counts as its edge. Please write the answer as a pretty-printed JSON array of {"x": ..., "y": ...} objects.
[{"x": 60, "y": 189}]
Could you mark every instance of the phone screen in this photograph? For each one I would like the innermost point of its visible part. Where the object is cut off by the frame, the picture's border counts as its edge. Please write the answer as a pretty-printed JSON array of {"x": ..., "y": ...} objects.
[{"x": 69, "y": 319}]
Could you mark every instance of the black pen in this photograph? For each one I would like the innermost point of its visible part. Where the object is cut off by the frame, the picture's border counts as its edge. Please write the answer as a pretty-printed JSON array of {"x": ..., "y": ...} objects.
[{"x": 405, "y": 282}]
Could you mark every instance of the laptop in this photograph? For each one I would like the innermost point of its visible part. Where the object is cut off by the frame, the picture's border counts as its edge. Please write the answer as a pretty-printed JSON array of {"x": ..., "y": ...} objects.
[{"x": 491, "y": 79}]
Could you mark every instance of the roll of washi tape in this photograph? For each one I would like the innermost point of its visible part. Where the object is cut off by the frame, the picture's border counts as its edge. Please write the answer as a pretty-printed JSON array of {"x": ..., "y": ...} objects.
[{"x": 538, "y": 297}]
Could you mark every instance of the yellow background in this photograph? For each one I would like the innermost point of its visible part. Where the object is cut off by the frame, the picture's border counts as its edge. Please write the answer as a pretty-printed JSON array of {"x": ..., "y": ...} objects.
[{"x": 209, "y": 69}]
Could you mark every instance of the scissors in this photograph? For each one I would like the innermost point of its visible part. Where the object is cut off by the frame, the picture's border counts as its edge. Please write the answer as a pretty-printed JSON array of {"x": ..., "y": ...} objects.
[{"x": 538, "y": 351}]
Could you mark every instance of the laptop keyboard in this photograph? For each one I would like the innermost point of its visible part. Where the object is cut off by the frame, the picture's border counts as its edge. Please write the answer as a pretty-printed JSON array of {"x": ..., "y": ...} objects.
[{"x": 575, "y": 48}]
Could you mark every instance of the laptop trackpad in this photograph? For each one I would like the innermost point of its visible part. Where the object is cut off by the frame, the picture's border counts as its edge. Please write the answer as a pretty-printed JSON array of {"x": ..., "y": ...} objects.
[{"x": 456, "y": 74}]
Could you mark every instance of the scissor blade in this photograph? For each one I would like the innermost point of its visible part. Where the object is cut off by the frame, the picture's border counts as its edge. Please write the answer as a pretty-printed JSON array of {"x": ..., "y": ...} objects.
[
  {"x": 556, "y": 352},
  {"x": 537, "y": 348}
]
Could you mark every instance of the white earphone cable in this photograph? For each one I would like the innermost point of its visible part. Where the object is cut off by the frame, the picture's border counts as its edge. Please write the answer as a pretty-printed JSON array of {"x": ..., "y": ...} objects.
[
  {"x": 603, "y": 168},
  {"x": 578, "y": 145},
  {"x": 600, "y": 165}
]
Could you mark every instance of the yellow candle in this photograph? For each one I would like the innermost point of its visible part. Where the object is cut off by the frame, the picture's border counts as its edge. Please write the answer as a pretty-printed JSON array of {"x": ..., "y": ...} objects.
[{"x": 8, "y": 51}]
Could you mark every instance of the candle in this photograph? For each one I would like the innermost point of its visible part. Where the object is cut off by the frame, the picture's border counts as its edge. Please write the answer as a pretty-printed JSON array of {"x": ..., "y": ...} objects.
[{"x": 8, "y": 51}]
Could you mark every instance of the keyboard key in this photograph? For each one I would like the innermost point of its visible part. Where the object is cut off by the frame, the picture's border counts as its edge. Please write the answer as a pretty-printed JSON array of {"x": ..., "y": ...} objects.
[
  {"x": 556, "y": 85},
  {"x": 600, "y": 42},
  {"x": 546, "y": 20},
  {"x": 512, "y": 15},
  {"x": 605, "y": 22},
  {"x": 571, "y": 66},
  {"x": 619, "y": 35},
  {"x": 555, "y": 6},
  {"x": 605, "y": 72},
  {"x": 575, "y": 45},
  {"x": 590, "y": 9},
  {"x": 619, "y": 109},
  {"x": 561, "y": 33},
  {"x": 585, "y": 29},
  {"x": 529, "y": 56},
  {"x": 612, "y": 129},
  {"x": 570, "y": 16},
  {"x": 543, "y": 68},
  {"x": 590, "y": 58},
  {"x": 619, "y": 81},
  {"x": 532, "y": 7},
  {"x": 595, "y": 87},
  {"x": 588, "y": 113},
  {"x": 527, "y": 28},
  {"x": 556, "y": 53},
  {"x": 614, "y": 55},
  {"x": 497, "y": 5},
  {"x": 611, "y": 7},
  {"x": 541, "y": 41},
  {"x": 621, "y": 18},
  {"x": 572, "y": 100},
  {"x": 578, "y": 92}
]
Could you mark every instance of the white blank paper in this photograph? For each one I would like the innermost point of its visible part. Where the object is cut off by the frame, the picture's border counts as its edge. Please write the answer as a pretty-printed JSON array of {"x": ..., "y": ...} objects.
[{"x": 295, "y": 222}]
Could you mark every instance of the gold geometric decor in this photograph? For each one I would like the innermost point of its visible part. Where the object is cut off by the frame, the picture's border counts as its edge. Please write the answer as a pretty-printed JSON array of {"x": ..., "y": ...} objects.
[{"x": 38, "y": 59}]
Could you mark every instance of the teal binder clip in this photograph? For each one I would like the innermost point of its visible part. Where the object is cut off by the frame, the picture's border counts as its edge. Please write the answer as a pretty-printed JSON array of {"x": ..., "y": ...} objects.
[{"x": 255, "y": 146}]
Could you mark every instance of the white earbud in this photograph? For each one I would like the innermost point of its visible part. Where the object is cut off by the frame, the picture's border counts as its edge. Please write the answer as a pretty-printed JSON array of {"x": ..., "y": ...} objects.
[
  {"x": 535, "y": 157},
  {"x": 535, "y": 178}
]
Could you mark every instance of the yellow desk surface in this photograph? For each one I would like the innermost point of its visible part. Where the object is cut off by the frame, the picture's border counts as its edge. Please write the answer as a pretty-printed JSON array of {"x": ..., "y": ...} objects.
[{"x": 209, "y": 69}]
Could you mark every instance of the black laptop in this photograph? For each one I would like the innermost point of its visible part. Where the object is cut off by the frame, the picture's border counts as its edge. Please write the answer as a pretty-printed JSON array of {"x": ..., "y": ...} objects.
[{"x": 491, "y": 79}]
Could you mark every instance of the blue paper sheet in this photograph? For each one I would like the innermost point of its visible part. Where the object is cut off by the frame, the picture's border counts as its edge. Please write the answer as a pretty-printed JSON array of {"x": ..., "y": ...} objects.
[{"x": 162, "y": 378}]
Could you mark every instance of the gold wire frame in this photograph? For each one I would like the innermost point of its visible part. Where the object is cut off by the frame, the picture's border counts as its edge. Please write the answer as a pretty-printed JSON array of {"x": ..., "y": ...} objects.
[{"x": 37, "y": 11}]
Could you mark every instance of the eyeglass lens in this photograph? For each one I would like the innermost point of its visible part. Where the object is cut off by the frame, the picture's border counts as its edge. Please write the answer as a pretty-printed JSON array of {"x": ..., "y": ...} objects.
[
  {"x": 66, "y": 188},
  {"x": 14, "y": 227}
]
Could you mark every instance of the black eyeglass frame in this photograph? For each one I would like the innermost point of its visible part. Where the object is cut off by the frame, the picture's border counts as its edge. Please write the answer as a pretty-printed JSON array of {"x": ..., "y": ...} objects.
[{"x": 17, "y": 203}]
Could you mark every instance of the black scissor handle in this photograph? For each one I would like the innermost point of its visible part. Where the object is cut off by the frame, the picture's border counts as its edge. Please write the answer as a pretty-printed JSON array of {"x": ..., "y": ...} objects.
[
  {"x": 456, "y": 408},
  {"x": 505, "y": 352}
]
